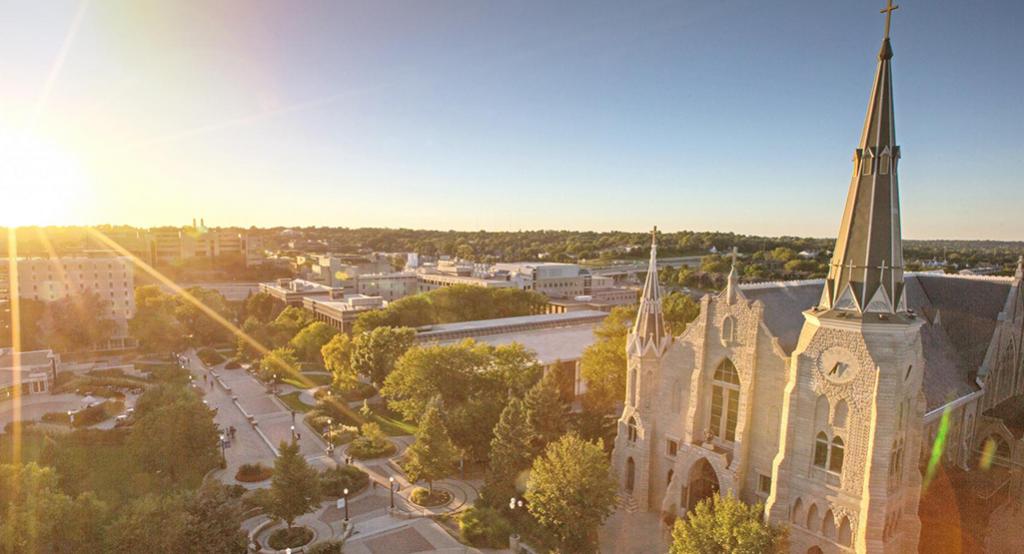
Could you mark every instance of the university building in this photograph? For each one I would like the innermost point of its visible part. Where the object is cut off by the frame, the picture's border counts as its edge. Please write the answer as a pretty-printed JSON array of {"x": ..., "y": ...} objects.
[{"x": 822, "y": 398}]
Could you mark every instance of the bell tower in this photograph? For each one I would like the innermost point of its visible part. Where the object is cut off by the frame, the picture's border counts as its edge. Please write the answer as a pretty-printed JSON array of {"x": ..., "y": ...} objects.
[
  {"x": 646, "y": 344},
  {"x": 845, "y": 475}
]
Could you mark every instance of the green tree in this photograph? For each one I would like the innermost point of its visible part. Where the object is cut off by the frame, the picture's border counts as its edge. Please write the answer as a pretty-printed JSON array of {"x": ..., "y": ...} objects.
[
  {"x": 201, "y": 328},
  {"x": 214, "y": 522},
  {"x": 679, "y": 310},
  {"x": 337, "y": 355},
  {"x": 76, "y": 323},
  {"x": 603, "y": 363},
  {"x": 727, "y": 525},
  {"x": 39, "y": 517},
  {"x": 432, "y": 456},
  {"x": 154, "y": 324},
  {"x": 295, "y": 488},
  {"x": 289, "y": 322},
  {"x": 545, "y": 411},
  {"x": 308, "y": 342},
  {"x": 570, "y": 492},
  {"x": 261, "y": 306},
  {"x": 174, "y": 435},
  {"x": 374, "y": 354},
  {"x": 279, "y": 361},
  {"x": 152, "y": 523},
  {"x": 511, "y": 453}
]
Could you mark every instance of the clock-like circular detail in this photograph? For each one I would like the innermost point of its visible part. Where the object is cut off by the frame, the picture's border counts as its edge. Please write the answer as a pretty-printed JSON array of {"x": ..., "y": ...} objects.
[{"x": 838, "y": 365}]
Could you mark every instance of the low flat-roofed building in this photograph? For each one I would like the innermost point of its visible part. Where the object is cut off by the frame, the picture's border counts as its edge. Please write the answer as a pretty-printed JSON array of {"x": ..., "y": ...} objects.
[
  {"x": 431, "y": 281},
  {"x": 35, "y": 371},
  {"x": 389, "y": 286},
  {"x": 341, "y": 313},
  {"x": 558, "y": 340},
  {"x": 601, "y": 299},
  {"x": 293, "y": 291}
]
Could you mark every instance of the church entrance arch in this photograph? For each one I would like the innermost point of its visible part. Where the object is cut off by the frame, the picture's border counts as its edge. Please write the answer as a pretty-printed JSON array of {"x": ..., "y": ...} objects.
[
  {"x": 630, "y": 474},
  {"x": 703, "y": 483}
]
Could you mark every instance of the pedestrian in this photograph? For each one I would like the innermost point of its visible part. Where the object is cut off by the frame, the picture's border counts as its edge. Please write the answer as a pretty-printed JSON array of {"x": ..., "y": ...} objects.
[{"x": 211, "y": 385}]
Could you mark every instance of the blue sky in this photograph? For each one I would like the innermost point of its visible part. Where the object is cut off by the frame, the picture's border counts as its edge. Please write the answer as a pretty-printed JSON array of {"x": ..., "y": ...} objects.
[{"x": 733, "y": 115}]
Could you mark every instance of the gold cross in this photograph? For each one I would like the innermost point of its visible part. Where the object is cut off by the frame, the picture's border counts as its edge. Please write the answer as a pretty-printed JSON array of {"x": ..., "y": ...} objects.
[{"x": 887, "y": 10}]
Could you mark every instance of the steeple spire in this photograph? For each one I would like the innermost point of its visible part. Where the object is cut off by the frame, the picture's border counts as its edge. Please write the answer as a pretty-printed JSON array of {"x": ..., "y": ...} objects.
[
  {"x": 866, "y": 273},
  {"x": 733, "y": 281},
  {"x": 650, "y": 324}
]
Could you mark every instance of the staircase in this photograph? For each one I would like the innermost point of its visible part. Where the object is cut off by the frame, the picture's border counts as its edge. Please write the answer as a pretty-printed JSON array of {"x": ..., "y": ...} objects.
[{"x": 627, "y": 503}]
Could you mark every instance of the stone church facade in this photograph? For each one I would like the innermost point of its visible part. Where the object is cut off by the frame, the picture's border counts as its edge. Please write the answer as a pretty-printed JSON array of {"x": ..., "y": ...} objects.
[{"x": 822, "y": 399}]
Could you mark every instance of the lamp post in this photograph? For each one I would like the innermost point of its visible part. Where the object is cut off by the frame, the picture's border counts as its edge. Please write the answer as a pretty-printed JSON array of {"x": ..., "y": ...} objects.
[
  {"x": 293, "y": 433},
  {"x": 71, "y": 418},
  {"x": 293, "y": 418},
  {"x": 223, "y": 451},
  {"x": 330, "y": 433},
  {"x": 514, "y": 503},
  {"x": 346, "y": 505},
  {"x": 391, "y": 487}
]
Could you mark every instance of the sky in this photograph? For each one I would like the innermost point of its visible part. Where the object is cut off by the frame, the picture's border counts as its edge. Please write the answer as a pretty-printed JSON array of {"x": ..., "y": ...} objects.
[{"x": 728, "y": 115}]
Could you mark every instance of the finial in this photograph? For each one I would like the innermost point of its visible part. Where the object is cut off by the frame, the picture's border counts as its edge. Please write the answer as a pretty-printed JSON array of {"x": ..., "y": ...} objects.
[
  {"x": 654, "y": 236},
  {"x": 887, "y": 10}
]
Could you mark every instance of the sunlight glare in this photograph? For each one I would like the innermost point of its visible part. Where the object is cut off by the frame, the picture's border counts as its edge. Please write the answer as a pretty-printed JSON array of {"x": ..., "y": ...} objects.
[{"x": 41, "y": 183}]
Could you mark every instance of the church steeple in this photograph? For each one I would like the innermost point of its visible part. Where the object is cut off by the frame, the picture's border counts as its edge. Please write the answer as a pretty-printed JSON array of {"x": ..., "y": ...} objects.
[
  {"x": 866, "y": 273},
  {"x": 649, "y": 328}
]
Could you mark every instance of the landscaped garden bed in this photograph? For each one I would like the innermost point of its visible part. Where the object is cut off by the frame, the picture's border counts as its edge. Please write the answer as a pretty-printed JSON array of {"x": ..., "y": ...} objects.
[
  {"x": 371, "y": 443},
  {"x": 210, "y": 356},
  {"x": 253, "y": 473},
  {"x": 290, "y": 538},
  {"x": 423, "y": 497},
  {"x": 334, "y": 481}
]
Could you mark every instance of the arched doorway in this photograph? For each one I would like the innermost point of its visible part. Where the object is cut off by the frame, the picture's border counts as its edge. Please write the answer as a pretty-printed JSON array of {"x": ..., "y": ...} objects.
[
  {"x": 702, "y": 484},
  {"x": 630, "y": 474}
]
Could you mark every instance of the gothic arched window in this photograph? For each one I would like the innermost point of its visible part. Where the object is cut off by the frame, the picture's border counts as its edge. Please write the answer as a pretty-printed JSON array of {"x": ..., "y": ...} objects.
[
  {"x": 668, "y": 480},
  {"x": 883, "y": 164},
  {"x": 812, "y": 518},
  {"x": 631, "y": 393},
  {"x": 821, "y": 450},
  {"x": 729, "y": 330},
  {"x": 835, "y": 459},
  {"x": 839, "y": 419},
  {"x": 631, "y": 433},
  {"x": 845, "y": 533},
  {"x": 828, "y": 525},
  {"x": 725, "y": 401},
  {"x": 821, "y": 412},
  {"x": 798, "y": 508}
]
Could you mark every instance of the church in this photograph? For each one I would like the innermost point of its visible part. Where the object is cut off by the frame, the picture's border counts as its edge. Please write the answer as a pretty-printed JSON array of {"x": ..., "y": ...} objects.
[{"x": 824, "y": 399}]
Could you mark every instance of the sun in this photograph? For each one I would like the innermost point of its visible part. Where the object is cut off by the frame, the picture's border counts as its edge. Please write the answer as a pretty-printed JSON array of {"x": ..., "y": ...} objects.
[{"x": 41, "y": 183}]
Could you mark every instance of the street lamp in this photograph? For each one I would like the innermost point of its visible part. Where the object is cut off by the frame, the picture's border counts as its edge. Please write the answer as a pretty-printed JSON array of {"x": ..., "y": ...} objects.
[
  {"x": 293, "y": 433},
  {"x": 293, "y": 418},
  {"x": 223, "y": 451},
  {"x": 71, "y": 418},
  {"x": 346, "y": 504},
  {"x": 391, "y": 487},
  {"x": 514, "y": 503}
]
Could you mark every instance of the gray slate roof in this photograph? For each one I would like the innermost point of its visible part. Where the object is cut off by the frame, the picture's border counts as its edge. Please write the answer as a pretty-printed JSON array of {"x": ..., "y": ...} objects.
[{"x": 954, "y": 349}]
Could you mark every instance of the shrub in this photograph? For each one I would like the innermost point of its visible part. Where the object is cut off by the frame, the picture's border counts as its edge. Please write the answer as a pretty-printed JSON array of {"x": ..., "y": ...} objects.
[
  {"x": 484, "y": 527},
  {"x": 371, "y": 444},
  {"x": 233, "y": 363},
  {"x": 425, "y": 498},
  {"x": 210, "y": 356},
  {"x": 96, "y": 413},
  {"x": 326, "y": 547},
  {"x": 290, "y": 538},
  {"x": 253, "y": 473},
  {"x": 259, "y": 499},
  {"x": 334, "y": 481}
]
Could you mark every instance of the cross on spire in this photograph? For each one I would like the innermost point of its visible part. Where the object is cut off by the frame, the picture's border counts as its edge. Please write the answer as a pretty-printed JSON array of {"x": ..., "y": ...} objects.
[{"x": 887, "y": 10}]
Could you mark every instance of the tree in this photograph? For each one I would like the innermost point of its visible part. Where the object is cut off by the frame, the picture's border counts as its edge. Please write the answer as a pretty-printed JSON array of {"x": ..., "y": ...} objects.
[
  {"x": 154, "y": 324},
  {"x": 545, "y": 411},
  {"x": 214, "y": 522},
  {"x": 679, "y": 310},
  {"x": 290, "y": 321},
  {"x": 511, "y": 453},
  {"x": 727, "y": 525},
  {"x": 432, "y": 456},
  {"x": 39, "y": 517},
  {"x": 76, "y": 323},
  {"x": 570, "y": 492},
  {"x": 152, "y": 523},
  {"x": 308, "y": 342},
  {"x": 261, "y": 306},
  {"x": 174, "y": 435},
  {"x": 337, "y": 355},
  {"x": 295, "y": 488},
  {"x": 201, "y": 328},
  {"x": 375, "y": 353},
  {"x": 280, "y": 362}
]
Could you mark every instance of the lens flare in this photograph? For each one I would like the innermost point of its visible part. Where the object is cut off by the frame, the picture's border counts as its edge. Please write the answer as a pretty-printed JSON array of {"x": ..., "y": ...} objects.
[
  {"x": 938, "y": 447},
  {"x": 988, "y": 453}
]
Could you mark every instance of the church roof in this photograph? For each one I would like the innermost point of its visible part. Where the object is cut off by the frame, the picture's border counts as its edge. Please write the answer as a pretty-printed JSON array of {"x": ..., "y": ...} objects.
[
  {"x": 866, "y": 272},
  {"x": 954, "y": 345},
  {"x": 1011, "y": 412},
  {"x": 650, "y": 323}
]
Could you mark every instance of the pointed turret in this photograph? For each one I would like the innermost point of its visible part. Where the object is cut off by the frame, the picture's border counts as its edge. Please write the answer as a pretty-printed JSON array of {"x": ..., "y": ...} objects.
[
  {"x": 732, "y": 284},
  {"x": 866, "y": 274},
  {"x": 650, "y": 324}
]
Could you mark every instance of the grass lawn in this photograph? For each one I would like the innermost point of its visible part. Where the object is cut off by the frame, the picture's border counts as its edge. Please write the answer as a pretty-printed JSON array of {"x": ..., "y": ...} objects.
[
  {"x": 292, "y": 401},
  {"x": 390, "y": 422},
  {"x": 308, "y": 380}
]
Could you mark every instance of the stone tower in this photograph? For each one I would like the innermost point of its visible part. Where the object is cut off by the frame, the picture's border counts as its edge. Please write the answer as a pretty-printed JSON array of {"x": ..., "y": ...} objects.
[
  {"x": 853, "y": 403},
  {"x": 646, "y": 344}
]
